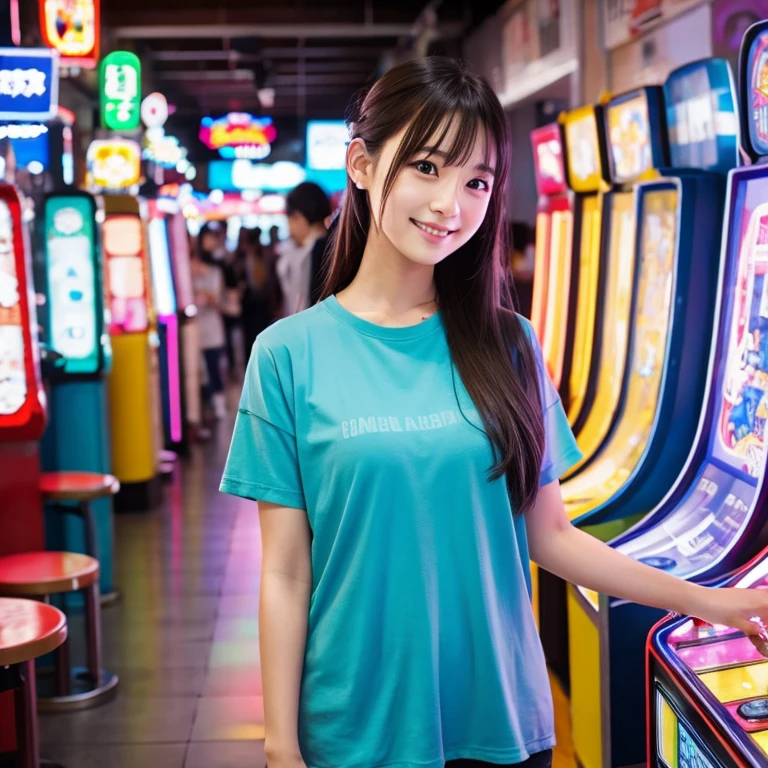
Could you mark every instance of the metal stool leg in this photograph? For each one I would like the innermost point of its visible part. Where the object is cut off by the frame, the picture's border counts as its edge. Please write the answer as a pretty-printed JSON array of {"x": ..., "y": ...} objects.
[
  {"x": 90, "y": 529},
  {"x": 63, "y": 669},
  {"x": 93, "y": 631},
  {"x": 25, "y": 699}
]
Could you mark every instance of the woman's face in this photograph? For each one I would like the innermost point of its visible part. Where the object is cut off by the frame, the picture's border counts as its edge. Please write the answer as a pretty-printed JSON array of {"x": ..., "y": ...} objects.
[{"x": 433, "y": 209}]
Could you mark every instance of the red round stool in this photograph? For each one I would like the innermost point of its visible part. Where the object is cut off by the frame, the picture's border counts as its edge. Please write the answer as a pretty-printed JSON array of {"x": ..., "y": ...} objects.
[
  {"x": 28, "y": 630},
  {"x": 40, "y": 575},
  {"x": 72, "y": 493}
]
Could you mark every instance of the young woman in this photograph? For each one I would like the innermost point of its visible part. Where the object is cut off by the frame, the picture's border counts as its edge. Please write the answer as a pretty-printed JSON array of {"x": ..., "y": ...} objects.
[{"x": 404, "y": 444}]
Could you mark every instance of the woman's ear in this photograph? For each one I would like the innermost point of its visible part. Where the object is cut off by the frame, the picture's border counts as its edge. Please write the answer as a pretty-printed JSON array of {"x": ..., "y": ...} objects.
[{"x": 359, "y": 163}]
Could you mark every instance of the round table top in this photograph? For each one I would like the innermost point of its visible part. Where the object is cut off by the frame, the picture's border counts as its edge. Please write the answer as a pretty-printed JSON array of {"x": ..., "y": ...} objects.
[
  {"x": 29, "y": 629},
  {"x": 46, "y": 573},
  {"x": 77, "y": 486}
]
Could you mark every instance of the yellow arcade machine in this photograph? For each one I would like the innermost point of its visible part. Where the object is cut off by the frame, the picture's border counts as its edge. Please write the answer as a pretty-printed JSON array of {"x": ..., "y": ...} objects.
[
  {"x": 586, "y": 171},
  {"x": 634, "y": 144},
  {"x": 114, "y": 168},
  {"x": 636, "y": 139},
  {"x": 554, "y": 231}
]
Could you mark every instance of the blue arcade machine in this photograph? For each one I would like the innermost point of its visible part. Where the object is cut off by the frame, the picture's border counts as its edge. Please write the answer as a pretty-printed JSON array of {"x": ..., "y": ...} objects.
[
  {"x": 657, "y": 466},
  {"x": 707, "y": 687},
  {"x": 69, "y": 271}
]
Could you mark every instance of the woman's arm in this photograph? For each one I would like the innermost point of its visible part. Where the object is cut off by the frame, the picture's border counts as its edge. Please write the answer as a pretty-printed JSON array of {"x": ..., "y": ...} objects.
[
  {"x": 286, "y": 584},
  {"x": 582, "y": 559}
]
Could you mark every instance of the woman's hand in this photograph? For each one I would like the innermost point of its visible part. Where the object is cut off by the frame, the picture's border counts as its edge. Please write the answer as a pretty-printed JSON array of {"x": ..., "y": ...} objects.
[
  {"x": 742, "y": 609},
  {"x": 284, "y": 757}
]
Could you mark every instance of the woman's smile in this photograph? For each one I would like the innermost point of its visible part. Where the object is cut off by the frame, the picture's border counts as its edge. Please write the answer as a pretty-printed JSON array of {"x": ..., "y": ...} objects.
[{"x": 433, "y": 233}]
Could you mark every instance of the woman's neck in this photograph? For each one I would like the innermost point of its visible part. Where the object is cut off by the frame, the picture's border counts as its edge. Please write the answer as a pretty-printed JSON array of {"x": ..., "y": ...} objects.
[{"x": 388, "y": 283}]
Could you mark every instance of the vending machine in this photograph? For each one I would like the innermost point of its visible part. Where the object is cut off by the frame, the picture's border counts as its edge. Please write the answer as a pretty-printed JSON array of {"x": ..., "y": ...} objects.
[{"x": 70, "y": 274}]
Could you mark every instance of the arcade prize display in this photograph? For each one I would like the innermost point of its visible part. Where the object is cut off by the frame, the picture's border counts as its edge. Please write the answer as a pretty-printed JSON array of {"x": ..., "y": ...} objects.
[
  {"x": 707, "y": 686},
  {"x": 586, "y": 168},
  {"x": 73, "y": 318},
  {"x": 186, "y": 311},
  {"x": 164, "y": 296},
  {"x": 552, "y": 266},
  {"x": 636, "y": 147}
]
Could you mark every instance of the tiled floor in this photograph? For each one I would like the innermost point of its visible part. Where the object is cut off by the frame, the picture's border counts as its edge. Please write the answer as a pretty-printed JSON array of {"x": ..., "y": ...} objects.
[{"x": 184, "y": 638}]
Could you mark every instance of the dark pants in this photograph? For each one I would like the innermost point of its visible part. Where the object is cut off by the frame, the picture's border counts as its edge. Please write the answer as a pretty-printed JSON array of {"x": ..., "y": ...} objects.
[
  {"x": 213, "y": 368},
  {"x": 230, "y": 323},
  {"x": 539, "y": 760}
]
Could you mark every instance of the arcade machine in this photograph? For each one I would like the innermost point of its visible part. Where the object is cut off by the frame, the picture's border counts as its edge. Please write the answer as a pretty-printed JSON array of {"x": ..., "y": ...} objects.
[
  {"x": 711, "y": 519},
  {"x": 586, "y": 169},
  {"x": 115, "y": 169},
  {"x": 678, "y": 252},
  {"x": 73, "y": 319},
  {"x": 636, "y": 148},
  {"x": 552, "y": 266},
  {"x": 707, "y": 686},
  {"x": 22, "y": 405},
  {"x": 187, "y": 311},
  {"x": 168, "y": 327}
]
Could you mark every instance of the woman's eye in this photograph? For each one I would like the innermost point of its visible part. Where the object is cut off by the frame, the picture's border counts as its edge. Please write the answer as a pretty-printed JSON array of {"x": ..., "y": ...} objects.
[
  {"x": 480, "y": 184},
  {"x": 424, "y": 166}
]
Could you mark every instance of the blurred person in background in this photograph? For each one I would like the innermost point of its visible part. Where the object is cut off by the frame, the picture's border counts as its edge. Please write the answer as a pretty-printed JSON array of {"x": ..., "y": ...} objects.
[
  {"x": 258, "y": 302},
  {"x": 307, "y": 208},
  {"x": 235, "y": 283},
  {"x": 207, "y": 282}
]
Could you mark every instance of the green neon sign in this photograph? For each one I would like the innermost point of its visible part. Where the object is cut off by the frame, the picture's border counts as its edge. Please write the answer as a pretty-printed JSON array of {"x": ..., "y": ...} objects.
[{"x": 120, "y": 88}]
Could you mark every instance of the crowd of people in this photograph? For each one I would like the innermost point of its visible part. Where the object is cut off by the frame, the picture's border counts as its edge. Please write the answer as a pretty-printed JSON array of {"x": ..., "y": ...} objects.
[{"x": 239, "y": 293}]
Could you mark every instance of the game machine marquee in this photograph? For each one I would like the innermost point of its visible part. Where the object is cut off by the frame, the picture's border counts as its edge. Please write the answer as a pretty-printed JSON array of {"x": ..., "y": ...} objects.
[
  {"x": 707, "y": 685},
  {"x": 586, "y": 168},
  {"x": 115, "y": 172},
  {"x": 70, "y": 267},
  {"x": 628, "y": 483},
  {"x": 552, "y": 266}
]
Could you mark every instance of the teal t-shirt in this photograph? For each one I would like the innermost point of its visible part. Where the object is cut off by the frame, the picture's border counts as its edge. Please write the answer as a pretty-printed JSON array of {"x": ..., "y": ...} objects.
[{"x": 421, "y": 644}]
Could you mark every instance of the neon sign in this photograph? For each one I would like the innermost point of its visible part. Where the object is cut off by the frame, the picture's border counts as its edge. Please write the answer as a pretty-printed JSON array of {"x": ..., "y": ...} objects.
[
  {"x": 29, "y": 84},
  {"x": 239, "y": 135},
  {"x": 120, "y": 86},
  {"x": 113, "y": 164},
  {"x": 72, "y": 28}
]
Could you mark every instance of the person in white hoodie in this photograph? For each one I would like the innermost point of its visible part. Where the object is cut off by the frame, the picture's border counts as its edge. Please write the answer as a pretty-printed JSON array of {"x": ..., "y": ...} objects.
[{"x": 307, "y": 208}]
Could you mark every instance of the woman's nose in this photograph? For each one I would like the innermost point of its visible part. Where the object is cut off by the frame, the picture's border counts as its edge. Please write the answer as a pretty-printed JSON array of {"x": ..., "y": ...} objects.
[{"x": 446, "y": 202}]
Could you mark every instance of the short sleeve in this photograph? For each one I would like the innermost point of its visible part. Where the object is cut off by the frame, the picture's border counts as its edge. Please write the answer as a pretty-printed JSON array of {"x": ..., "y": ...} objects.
[
  {"x": 263, "y": 463},
  {"x": 561, "y": 451}
]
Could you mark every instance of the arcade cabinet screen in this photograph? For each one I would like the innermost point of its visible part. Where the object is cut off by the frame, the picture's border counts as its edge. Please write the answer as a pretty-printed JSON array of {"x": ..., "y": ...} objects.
[
  {"x": 583, "y": 149},
  {"x": 13, "y": 379},
  {"x": 740, "y": 440},
  {"x": 71, "y": 281},
  {"x": 159, "y": 258},
  {"x": 124, "y": 251},
  {"x": 758, "y": 93},
  {"x": 692, "y": 124},
  {"x": 629, "y": 138}
]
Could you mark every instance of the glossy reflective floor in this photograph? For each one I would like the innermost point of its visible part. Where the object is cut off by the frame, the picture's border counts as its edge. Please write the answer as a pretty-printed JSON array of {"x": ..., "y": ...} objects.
[{"x": 184, "y": 638}]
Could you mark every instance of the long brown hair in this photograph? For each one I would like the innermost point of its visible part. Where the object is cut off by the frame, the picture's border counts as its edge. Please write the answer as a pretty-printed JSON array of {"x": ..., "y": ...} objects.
[{"x": 489, "y": 345}]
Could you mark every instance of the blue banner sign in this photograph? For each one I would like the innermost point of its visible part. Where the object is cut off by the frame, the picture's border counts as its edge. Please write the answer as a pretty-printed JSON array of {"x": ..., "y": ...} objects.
[{"x": 29, "y": 84}]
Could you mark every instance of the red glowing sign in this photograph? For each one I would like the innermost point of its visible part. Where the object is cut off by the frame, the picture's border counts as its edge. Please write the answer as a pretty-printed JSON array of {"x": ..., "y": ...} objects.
[
  {"x": 238, "y": 134},
  {"x": 72, "y": 28}
]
